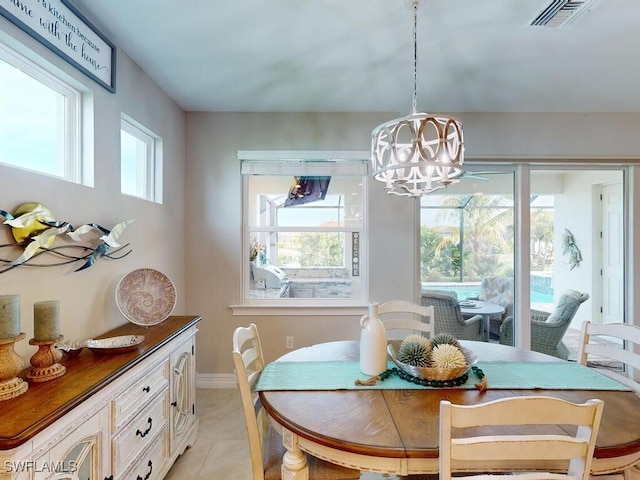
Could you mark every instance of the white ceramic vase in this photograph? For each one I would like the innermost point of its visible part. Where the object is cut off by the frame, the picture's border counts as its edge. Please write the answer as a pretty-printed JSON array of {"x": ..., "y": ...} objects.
[{"x": 373, "y": 343}]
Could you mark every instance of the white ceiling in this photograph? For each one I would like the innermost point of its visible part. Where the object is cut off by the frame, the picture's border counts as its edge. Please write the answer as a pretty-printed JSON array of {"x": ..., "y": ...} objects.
[{"x": 357, "y": 55}]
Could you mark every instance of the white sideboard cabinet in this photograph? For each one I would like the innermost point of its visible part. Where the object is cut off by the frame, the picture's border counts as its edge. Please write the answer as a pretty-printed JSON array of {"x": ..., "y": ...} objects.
[{"x": 123, "y": 416}]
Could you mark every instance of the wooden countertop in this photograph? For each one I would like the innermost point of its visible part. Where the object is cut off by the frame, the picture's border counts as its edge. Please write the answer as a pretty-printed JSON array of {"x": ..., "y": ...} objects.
[{"x": 22, "y": 417}]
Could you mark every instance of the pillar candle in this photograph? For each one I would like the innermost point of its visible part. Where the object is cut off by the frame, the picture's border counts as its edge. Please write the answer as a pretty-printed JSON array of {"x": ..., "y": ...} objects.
[
  {"x": 46, "y": 320},
  {"x": 9, "y": 316}
]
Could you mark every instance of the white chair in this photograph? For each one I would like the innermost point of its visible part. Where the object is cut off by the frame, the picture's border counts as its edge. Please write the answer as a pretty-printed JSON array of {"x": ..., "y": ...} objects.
[
  {"x": 265, "y": 444},
  {"x": 619, "y": 342},
  {"x": 405, "y": 317},
  {"x": 531, "y": 446}
]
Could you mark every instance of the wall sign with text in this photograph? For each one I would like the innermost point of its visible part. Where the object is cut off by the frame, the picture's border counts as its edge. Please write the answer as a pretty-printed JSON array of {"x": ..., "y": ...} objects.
[{"x": 59, "y": 26}]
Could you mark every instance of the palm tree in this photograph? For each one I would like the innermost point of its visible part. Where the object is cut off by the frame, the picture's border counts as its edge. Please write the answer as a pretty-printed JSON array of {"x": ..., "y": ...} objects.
[
  {"x": 485, "y": 223},
  {"x": 542, "y": 238}
]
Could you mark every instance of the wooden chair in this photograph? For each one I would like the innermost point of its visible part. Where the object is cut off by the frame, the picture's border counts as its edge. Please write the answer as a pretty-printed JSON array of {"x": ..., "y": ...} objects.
[
  {"x": 530, "y": 447},
  {"x": 620, "y": 342},
  {"x": 401, "y": 318},
  {"x": 265, "y": 444}
]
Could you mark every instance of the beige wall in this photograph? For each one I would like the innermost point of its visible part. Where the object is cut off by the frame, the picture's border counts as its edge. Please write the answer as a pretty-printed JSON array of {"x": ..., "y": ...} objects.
[
  {"x": 214, "y": 223},
  {"x": 214, "y": 220},
  {"x": 157, "y": 237}
]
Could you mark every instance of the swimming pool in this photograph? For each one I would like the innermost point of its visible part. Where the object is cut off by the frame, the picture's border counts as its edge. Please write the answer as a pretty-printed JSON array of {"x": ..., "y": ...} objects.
[{"x": 473, "y": 290}]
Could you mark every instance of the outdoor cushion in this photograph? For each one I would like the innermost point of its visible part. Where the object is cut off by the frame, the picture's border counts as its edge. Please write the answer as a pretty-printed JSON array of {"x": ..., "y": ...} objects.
[
  {"x": 498, "y": 290},
  {"x": 567, "y": 302}
]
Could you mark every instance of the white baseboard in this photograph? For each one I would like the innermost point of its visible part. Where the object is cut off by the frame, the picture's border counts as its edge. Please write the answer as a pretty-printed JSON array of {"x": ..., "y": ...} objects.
[{"x": 216, "y": 380}]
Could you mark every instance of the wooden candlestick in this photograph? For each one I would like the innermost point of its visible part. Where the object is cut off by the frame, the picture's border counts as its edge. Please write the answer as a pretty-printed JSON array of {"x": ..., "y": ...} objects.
[
  {"x": 10, "y": 365},
  {"x": 44, "y": 363}
]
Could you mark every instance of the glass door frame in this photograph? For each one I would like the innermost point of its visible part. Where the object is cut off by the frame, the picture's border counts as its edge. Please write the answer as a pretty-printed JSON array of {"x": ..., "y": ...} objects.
[{"x": 522, "y": 219}]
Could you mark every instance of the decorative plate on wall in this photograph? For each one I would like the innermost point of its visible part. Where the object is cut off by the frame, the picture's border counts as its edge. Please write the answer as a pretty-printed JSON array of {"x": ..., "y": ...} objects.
[{"x": 145, "y": 296}]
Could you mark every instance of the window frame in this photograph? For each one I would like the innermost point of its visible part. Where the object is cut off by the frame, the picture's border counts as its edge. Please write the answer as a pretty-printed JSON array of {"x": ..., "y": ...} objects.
[
  {"x": 71, "y": 116},
  {"x": 148, "y": 171},
  {"x": 279, "y": 163}
]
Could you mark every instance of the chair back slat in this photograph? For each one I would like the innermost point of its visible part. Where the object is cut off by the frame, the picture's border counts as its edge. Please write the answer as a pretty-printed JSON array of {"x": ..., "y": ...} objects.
[{"x": 529, "y": 447}]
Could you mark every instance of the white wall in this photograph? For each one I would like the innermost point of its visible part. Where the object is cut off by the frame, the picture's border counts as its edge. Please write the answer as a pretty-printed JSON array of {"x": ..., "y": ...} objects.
[{"x": 157, "y": 237}]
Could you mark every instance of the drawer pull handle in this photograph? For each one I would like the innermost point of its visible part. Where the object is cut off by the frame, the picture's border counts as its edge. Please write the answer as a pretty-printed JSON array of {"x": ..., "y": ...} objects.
[
  {"x": 144, "y": 434},
  {"x": 150, "y": 464},
  {"x": 146, "y": 389},
  {"x": 110, "y": 477},
  {"x": 174, "y": 404}
]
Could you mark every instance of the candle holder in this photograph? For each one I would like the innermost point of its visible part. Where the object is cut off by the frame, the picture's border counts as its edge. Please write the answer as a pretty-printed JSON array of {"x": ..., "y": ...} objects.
[
  {"x": 44, "y": 363},
  {"x": 10, "y": 365}
]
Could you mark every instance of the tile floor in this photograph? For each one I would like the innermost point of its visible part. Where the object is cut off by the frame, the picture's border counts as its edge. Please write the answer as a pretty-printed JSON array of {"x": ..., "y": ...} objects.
[{"x": 221, "y": 450}]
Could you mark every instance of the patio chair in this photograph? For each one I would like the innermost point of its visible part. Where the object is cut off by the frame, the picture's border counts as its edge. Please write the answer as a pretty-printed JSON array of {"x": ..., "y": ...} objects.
[
  {"x": 400, "y": 318},
  {"x": 532, "y": 447},
  {"x": 547, "y": 329},
  {"x": 448, "y": 317},
  {"x": 265, "y": 444}
]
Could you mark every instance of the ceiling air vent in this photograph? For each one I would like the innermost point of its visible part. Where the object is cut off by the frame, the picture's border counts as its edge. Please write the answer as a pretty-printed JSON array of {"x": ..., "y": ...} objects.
[{"x": 561, "y": 13}]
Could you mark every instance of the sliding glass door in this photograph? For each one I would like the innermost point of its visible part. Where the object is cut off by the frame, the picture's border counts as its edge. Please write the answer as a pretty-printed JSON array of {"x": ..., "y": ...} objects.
[
  {"x": 572, "y": 219},
  {"x": 467, "y": 243}
]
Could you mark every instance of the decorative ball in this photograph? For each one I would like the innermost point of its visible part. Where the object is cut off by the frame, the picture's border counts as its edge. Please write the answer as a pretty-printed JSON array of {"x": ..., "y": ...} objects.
[
  {"x": 447, "y": 356},
  {"x": 415, "y": 350},
  {"x": 445, "y": 339}
]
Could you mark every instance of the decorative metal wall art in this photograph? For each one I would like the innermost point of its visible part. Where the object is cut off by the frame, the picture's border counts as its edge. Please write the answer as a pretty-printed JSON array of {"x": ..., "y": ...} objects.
[
  {"x": 35, "y": 230},
  {"x": 570, "y": 248}
]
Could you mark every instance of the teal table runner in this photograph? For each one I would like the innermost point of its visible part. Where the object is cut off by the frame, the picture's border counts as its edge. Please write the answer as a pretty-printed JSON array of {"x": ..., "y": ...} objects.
[{"x": 341, "y": 375}]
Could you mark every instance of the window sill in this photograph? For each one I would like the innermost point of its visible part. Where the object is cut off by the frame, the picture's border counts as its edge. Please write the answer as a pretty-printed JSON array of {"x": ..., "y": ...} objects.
[{"x": 281, "y": 309}]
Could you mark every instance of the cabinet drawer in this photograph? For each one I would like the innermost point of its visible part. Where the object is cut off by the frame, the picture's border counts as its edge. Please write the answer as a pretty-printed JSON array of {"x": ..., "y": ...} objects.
[
  {"x": 139, "y": 394},
  {"x": 141, "y": 432},
  {"x": 151, "y": 463}
]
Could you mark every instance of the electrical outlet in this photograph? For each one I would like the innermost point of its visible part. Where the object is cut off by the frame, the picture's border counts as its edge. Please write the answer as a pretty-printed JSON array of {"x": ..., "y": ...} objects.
[{"x": 288, "y": 343}]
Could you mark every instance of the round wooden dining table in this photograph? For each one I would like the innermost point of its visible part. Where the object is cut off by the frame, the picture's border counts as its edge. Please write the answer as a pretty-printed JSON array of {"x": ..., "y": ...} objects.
[{"x": 396, "y": 430}]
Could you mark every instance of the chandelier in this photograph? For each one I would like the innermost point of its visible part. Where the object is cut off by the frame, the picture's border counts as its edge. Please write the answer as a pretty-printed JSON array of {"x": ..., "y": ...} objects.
[{"x": 420, "y": 153}]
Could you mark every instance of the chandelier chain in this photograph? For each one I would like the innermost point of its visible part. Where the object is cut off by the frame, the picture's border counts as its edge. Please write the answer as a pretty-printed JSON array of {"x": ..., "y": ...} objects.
[
  {"x": 415, "y": 57},
  {"x": 420, "y": 153}
]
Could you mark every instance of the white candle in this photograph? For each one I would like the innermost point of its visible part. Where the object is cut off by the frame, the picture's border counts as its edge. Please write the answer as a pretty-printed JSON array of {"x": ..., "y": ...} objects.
[
  {"x": 46, "y": 320},
  {"x": 9, "y": 316}
]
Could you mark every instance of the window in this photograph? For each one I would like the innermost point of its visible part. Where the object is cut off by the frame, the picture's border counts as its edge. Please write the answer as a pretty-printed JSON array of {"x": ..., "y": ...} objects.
[
  {"x": 304, "y": 230},
  {"x": 140, "y": 157},
  {"x": 39, "y": 119}
]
